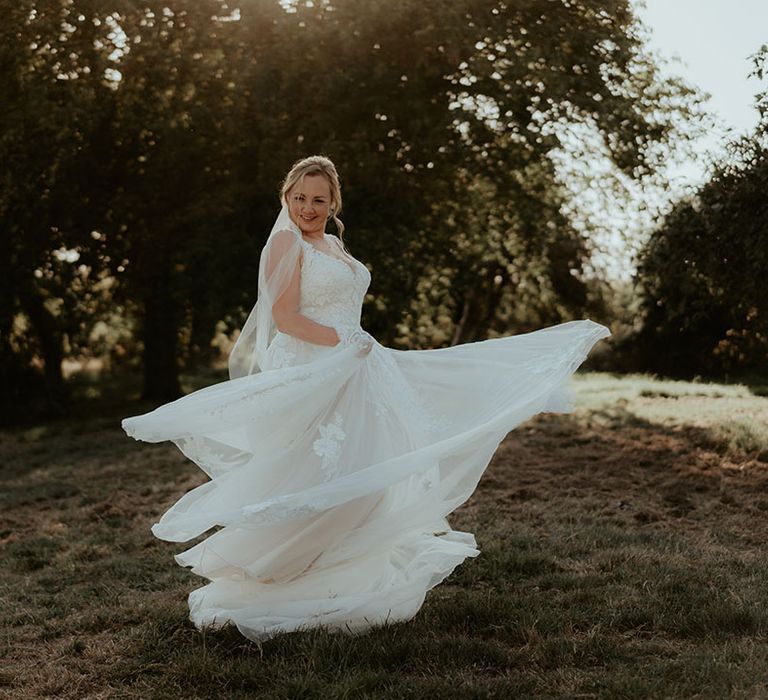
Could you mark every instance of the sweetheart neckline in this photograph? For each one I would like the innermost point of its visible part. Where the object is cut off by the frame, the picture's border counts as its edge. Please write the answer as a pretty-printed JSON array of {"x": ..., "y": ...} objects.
[{"x": 332, "y": 257}]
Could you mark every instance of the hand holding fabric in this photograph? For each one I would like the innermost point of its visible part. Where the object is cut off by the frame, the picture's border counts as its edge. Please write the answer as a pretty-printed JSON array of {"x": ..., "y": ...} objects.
[{"x": 357, "y": 337}]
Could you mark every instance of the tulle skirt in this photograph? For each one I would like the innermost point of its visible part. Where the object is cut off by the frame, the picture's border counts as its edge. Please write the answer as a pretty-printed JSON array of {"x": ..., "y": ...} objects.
[{"x": 331, "y": 478}]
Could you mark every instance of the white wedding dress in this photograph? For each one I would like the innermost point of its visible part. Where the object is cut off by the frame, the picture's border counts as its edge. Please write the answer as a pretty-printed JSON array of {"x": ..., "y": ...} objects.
[{"x": 331, "y": 474}]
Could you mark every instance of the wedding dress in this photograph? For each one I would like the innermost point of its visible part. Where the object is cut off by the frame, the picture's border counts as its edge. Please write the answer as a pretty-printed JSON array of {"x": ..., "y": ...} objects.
[{"x": 331, "y": 473}]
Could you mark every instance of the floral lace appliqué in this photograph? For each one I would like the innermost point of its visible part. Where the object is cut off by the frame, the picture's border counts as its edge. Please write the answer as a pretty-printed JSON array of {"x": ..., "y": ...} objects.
[
  {"x": 277, "y": 509},
  {"x": 213, "y": 457},
  {"x": 328, "y": 445},
  {"x": 282, "y": 357},
  {"x": 261, "y": 401}
]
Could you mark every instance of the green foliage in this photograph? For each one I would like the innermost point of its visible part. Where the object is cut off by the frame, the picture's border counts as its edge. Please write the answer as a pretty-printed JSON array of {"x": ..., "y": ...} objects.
[
  {"x": 703, "y": 271},
  {"x": 150, "y": 139},
  {"x": 50, "y": 136}
]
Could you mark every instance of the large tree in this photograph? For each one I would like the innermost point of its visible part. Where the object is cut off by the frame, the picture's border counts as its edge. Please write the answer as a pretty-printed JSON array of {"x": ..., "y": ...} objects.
[
  {"x": 703, "y": 271},
  {"x": 52, "y": 131},
  {"x": 443, "y": 132},
  {"x": 172, "y": 145},
  {"x": 441, "y": 117}
]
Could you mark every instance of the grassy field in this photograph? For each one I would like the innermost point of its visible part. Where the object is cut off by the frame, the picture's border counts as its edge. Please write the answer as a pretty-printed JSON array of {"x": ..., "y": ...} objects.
[{"x": 623, "y": 556}]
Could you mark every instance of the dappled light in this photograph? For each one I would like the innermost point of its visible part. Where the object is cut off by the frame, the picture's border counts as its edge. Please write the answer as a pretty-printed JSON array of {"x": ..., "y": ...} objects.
[{"x": 512, "y": 205}]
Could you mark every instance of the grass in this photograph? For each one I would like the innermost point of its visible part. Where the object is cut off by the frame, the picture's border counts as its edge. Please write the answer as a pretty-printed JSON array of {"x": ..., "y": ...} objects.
[{"x": 623, "y": 556}]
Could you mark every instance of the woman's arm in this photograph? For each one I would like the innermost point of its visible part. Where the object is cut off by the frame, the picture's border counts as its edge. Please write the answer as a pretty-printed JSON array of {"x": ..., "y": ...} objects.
[{"x": 288, "y": 319}]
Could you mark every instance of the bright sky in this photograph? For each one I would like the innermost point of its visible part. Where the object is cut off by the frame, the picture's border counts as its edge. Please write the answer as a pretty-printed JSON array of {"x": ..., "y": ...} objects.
[{"x": 711, "y": 41}]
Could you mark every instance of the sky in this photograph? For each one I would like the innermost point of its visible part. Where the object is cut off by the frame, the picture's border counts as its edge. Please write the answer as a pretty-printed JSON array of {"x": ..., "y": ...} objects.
[
  {"x": 708, "y": 43},
  {"x": 711, "y": 41}
]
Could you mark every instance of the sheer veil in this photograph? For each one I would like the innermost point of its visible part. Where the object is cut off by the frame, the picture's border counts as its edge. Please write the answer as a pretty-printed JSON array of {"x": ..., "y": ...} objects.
[{"x": 277, "y": 264}]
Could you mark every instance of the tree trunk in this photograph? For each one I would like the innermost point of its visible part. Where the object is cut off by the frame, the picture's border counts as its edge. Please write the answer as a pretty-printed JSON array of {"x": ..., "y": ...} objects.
[
  {"x": 458, "y": 332},
  {"x": 49, "y": 337},
  {"x": 160, "y": 335}
]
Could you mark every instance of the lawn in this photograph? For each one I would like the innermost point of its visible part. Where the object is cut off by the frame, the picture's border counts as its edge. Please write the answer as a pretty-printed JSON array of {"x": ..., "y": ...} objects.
[{"x": 623, "y": 556}]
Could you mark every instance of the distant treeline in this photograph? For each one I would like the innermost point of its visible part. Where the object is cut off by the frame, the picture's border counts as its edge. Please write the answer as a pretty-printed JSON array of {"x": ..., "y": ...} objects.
[{"x": 142, "y": 144}]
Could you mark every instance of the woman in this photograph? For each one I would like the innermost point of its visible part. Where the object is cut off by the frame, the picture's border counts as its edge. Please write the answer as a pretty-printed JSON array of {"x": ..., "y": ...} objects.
[{"x": 333, "y": 460}]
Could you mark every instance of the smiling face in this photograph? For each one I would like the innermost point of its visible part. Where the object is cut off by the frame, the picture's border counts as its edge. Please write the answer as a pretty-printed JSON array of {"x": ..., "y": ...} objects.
[{"x": 309, "y": 204}]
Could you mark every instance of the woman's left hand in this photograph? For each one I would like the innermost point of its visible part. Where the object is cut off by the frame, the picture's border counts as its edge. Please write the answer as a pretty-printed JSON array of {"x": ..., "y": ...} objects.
[{"x": 363, "y": 340}]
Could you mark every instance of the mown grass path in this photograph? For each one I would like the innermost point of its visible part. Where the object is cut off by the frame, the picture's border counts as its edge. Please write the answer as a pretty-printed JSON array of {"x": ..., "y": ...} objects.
[{"x": 623, "y": 556}]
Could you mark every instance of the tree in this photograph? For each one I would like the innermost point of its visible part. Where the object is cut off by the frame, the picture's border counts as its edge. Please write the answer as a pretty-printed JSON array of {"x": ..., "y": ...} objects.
[
  {"x": 703, "y": 271},
  {"x": 49, "y": 138},
  {"x": 173, "y": 122},
  {"x": 444, "y": 133}
]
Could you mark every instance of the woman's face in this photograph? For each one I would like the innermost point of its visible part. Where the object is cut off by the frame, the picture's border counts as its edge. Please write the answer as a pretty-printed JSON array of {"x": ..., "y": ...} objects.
[{"x": 309, "y": 204}]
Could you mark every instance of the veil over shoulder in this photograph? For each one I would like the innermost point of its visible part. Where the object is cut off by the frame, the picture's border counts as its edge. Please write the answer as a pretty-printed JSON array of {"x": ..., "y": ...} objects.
[
  {"x": 276, "y": 266},
  {"x": 331, "y": 474}
]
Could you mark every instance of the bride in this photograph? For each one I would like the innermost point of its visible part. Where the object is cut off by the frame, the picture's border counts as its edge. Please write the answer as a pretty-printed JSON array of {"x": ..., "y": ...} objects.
[{"x": 333, "y": 460}]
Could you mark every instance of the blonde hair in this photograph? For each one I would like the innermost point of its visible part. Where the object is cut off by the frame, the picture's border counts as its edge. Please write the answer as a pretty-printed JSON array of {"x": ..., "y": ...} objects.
[{"x": 316, "y": 165}]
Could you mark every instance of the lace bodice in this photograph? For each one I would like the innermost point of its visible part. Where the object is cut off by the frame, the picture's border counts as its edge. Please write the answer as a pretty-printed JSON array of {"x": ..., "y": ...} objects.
[
  {"x": 332, "y": 292},
  {"x": 332, "y": 289}
]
